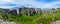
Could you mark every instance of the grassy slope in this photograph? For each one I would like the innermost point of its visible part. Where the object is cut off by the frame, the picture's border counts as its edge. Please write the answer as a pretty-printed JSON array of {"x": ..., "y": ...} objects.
[{"x": 45, "y": 18}]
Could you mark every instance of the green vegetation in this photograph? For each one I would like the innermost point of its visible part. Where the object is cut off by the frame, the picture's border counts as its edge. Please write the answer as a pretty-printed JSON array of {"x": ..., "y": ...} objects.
[
  {"x": 45, "y": 18},
  {"x": 35, "y": 19}
]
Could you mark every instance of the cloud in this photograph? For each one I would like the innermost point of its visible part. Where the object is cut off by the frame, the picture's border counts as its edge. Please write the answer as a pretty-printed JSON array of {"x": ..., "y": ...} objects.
[
  {"x": 7, "y": 4},
  {"x": 51, "y": 5},
  {"x": 31, "y": 3},
  {"x": 7, "y": 7},
  {"x": 40, "y": 4}
]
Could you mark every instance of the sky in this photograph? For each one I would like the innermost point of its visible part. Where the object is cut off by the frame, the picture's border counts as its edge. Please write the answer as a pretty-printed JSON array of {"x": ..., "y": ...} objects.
[{"x": 30, "y": 3}]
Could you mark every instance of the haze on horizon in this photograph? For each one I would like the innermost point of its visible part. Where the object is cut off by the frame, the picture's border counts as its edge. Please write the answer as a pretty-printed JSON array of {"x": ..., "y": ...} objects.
[{"x": 30, "y": 3}]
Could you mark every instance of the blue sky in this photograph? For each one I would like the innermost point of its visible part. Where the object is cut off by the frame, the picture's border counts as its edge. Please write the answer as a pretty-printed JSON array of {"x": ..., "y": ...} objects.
[{"x": 30, "y": 3}]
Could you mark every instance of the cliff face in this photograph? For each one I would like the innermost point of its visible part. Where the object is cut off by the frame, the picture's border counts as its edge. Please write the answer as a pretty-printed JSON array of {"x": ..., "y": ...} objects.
[
  {"x": 54, "y": 11},
  {"x": 27, "y": 11},
  {"x": 24, "y": 10}
]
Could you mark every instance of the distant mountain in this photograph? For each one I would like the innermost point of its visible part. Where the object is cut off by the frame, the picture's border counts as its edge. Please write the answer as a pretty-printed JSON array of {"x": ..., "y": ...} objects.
[
  {"x": 15, "y": 8},
  {"x": 46, "y": 9}
]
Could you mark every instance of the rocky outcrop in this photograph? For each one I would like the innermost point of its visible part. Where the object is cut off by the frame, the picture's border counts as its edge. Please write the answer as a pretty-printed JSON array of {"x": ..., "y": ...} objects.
[
  {"x": 56, "y": 22},
  {"x": 26, "y": 11},
  {"x": 7, "y": 22}
]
